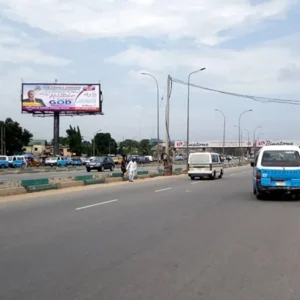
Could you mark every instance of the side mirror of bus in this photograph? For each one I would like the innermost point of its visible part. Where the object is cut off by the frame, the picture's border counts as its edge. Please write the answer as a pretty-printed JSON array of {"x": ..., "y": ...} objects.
[{"x": 252, "y": 164}]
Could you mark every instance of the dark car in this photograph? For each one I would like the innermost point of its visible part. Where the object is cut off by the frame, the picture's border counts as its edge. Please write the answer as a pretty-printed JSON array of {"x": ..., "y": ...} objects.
[{"x": 100, "y": 164}]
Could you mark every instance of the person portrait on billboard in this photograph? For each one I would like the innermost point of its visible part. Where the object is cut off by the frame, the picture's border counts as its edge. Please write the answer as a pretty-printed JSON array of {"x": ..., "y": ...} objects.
[{"x": 31, "y": 98}]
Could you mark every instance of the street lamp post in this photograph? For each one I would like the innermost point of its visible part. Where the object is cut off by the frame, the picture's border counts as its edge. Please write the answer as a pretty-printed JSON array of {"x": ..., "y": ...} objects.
[
  {"x": 94, "y": 142},
  {"x": 254, "y": 138},
  {"x": 248, "y": 133},
  {"x": 224, "y": 130},
  {"x": 249, "y": 110},
  {"x": 157, "y": 121},
  {"x": 188, "y": 115}
]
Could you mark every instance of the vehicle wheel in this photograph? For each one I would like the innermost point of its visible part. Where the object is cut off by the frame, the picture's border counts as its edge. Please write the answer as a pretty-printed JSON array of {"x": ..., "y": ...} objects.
[
  {"x": 88, "y": 170},
  {"x": 51, "y": 166},
  {"x": 260, "y": 196},
  {"x": 100, "y": 169},
  {"x": 221, "y": 174},
  {"x": 112, "y": 168},
  {"x": 254, "y": 191},
  {"x": 213, "y": 176}
]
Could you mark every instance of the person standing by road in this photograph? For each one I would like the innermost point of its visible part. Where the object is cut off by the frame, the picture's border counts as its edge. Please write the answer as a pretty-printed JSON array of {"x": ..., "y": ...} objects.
[{"x": 131, "y": 167}]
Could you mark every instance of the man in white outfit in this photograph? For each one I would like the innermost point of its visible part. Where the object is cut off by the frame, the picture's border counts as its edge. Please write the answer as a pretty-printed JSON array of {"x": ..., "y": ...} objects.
[{"x": 131, "y": 168}]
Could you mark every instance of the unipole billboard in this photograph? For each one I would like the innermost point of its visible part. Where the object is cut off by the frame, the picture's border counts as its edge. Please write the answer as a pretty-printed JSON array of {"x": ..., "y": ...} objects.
[{"x": 77, "y": 98}]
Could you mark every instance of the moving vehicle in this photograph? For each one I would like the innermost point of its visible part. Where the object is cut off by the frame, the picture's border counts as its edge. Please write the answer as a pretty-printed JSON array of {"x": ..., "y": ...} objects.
[
  {"x": 100, "y": 164},
  {"x": 4, "y": 162},
  {"x": 276, "y": 170},
  {"x": 205, "y": 164}
]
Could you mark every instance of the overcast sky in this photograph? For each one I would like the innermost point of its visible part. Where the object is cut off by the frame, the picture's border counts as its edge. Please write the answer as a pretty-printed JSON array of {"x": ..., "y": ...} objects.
[{"x": 247, "y": 46}]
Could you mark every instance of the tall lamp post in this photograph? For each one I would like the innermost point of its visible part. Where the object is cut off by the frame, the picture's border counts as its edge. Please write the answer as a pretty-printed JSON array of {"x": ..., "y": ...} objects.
[
  {"x": 254, "y": 138},
  {"x": 244, "y": 112},
  {"x": 157, "y": 108},
  {"x": 94, "y": 142},
  {"x": 188, "y": 116},
  {"x": 224, "y": 130},
  {"x": 248, "y": 135}
]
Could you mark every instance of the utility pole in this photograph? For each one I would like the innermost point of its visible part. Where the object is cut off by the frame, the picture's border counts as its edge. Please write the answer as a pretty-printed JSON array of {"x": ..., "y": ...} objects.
[
  {"x": 2, "y": 139},
  {"x": 167, "y": 114},
  {"x": 224, "y": 130}
]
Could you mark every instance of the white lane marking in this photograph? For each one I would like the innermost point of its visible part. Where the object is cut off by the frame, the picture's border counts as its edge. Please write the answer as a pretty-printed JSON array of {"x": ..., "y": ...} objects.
[
  {"x": 96, "y": 204},
  {"x": 196, "y": 182},
  {"x": 162, "y": 190},
  {"x": 232, "y": 174}
]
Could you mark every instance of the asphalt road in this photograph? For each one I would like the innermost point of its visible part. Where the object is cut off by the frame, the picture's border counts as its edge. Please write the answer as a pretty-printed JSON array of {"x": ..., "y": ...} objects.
[
  {"x": 6, "y": 177},
  {"x": 170, "y": 239}
]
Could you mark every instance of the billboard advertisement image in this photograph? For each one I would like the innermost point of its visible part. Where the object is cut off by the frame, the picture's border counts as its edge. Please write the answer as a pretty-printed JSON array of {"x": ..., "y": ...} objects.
[{"x": 61, "y": 97}]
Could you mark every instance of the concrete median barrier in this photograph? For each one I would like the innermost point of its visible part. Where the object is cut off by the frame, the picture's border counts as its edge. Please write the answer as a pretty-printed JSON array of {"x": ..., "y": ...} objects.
[
  {"x": 41, "y": 188},
  {"x": 94, "y": 181},
  {"x": 84, "y": 177},
  {"x": 12, "y": 191},
  {"x": 34, "y": 182},
  {"x": 116, "y": 175},
  {"x": 55, "y": 180},
  {"x": 65, "y": 185}
]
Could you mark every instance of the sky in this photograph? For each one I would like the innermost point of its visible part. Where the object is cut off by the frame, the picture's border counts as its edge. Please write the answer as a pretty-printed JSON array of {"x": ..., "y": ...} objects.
[{"x": 247, "y": 46}]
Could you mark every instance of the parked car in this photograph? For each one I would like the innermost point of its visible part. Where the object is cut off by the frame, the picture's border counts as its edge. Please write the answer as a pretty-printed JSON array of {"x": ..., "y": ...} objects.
[
  {"x": 117, "y": 159},
  {"x": 76, "y": 162},
  {"x": 17, "y": 161},
  {"x": 59, "y": 161},
  {"x": 4, "y": 162},
  {"x": 100, "y": 164},
  {"x": 33, "y": 162}
]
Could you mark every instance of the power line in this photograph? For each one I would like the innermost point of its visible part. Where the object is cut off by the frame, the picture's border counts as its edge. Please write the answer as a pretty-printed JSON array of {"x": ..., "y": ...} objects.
[{"x": 255, "y": 98}]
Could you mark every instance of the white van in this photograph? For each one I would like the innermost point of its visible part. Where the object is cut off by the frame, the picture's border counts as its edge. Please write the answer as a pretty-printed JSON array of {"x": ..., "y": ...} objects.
[{"x": 205, "y": 164}]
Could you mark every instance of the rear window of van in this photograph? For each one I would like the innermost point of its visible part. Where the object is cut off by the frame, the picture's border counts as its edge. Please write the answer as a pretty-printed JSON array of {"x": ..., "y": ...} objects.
[{"x": 280, "y": 158}]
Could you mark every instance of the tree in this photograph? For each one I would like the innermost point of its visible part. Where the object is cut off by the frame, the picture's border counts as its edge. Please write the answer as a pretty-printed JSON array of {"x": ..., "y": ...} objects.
[
  {"x": 87, "y": 148},
  {"x": 129, "y": 147},
  {"x": 144, "y": 147},
  {"x": 74, "y": 139},
  {"x": 16, "y": 136},
  {"x": 105, "y": 144}
]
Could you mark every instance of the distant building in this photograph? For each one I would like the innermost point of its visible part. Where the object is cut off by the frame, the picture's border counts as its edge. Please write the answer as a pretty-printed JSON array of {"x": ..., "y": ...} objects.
[{"x": 40, "y": 147}]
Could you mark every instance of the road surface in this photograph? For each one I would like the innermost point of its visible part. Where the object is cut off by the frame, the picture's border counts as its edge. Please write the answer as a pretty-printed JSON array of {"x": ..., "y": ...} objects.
[
  {"x": 6, "y": 177},
  {"x": 171, "y": 239}
]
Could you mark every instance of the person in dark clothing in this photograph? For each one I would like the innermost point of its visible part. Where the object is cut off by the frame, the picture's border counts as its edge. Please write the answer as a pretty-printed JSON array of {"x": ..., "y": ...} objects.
[{"x": 123, "y": 165}]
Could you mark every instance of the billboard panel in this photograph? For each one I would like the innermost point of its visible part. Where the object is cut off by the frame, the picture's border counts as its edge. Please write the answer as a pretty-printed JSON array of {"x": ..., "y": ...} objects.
[{"x": 46, "y": 97}]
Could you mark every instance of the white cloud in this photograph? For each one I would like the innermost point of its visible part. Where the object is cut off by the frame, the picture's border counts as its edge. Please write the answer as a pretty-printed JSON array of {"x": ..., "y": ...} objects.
[
  {"x": 268, "y": 68},
  {"x": 202, "y": 20},
  {"x": 19, "y": 48}
]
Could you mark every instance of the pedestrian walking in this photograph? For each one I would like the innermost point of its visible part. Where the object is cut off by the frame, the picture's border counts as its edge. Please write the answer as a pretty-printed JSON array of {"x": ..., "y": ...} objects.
[
  {"x": 123, "y": 165},
  {"x": 131, "y": 167}
]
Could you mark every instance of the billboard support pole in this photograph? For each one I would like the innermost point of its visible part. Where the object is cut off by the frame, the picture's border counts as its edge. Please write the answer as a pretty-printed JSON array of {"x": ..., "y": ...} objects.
[{"x": 56, "y": 133}]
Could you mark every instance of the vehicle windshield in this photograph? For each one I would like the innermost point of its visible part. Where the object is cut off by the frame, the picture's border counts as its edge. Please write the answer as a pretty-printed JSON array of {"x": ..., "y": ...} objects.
[
  {"x": 52, "y": 158},
  {"x": 98, "y": 159},
  {"x": 280, "y": 158},
  {"x": 199, "y": 158},
  {"x": 20, "y": 158}
]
